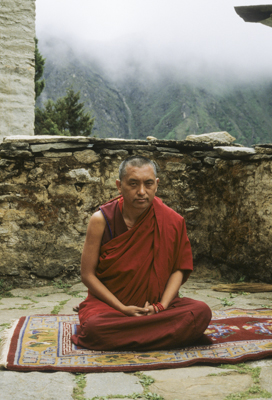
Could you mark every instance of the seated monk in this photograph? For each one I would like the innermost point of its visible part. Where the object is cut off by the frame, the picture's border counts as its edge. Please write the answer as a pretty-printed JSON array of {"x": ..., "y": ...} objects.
[{"x": 135, "y": 258}]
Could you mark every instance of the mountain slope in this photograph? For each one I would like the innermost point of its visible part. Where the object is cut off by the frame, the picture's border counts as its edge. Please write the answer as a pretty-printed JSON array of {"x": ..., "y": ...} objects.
[
  {"x": 64, "y": 69},
  {"x": 173, "y": 110},
  {"x": 136, "y": 105}
]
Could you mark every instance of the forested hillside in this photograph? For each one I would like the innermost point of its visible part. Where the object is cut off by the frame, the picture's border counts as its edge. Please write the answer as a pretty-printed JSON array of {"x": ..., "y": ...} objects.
[{"x": 135, "y": 106}]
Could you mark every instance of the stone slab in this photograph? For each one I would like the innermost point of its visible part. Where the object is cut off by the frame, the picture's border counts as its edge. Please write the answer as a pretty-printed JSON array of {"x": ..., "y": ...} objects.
[
  {"x": 80, "y": 287},
  {"x": 263, "y": 150},
  {"x": 179, "y": 374},
  {"x": 81, "y": 175},
  {"x": 36, "y": 385},
  {"x": 231, "y": 151},
  {"x": 50, "y": 154},
  {"x": 53, "y": 298},
  {"x": 13, "y": 302},
  {"x": 257, "y": 157},
  {"x": 267, "y": 362},
  {"x": 217, "y": 300},
  {"x": 114, "y": 152},
  {"x": 186, "y": 386},
  {"x": 169, "y": 155},
  {"x": 111, "y": 383},
  {"x": 216, "y": 138},
  {"x": 8, "y": 316},
  {"x": 87, "y": 156},
  {"x": 266, "y": 379},
  {"x": 37, "y": 148},
  {"x": 73, "y": 302},
  {"x": 44, "y": 139},
  {"x": 203, "y": 295},
  {"x": 167, "y": 149},
  {"x": 43, "y": 290}
]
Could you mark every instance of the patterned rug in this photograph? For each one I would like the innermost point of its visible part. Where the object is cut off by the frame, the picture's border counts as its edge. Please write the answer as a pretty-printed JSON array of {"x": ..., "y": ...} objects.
[{"x": 43, "y": 343}]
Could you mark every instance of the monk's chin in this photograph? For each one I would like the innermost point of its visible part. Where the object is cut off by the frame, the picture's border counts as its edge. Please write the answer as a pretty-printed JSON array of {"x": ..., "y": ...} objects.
[{"x": 141, "y": 203}]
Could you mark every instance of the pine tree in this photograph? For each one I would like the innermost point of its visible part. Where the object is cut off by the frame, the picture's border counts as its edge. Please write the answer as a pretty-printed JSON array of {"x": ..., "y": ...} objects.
[
  {"x": 39, "y": 67},
  {"x": 64, "y": 117}
]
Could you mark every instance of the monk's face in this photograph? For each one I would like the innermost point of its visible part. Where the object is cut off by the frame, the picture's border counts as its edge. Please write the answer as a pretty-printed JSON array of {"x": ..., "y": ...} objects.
[{"x": 138, "y": 186}]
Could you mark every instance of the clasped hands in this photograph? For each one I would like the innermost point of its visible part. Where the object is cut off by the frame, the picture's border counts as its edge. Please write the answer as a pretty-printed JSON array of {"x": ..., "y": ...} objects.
[{"x": 134, "y": 311}]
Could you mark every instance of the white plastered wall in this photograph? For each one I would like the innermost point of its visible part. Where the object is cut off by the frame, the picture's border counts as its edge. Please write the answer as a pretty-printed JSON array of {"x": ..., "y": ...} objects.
[{"x": 17, "y": 68}]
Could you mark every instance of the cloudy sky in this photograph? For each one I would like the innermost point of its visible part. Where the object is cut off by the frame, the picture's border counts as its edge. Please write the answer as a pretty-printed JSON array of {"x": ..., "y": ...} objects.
[{"x": 202, "y": 34}]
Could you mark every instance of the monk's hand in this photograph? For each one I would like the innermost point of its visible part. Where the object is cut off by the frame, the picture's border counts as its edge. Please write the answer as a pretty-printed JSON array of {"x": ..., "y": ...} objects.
[
  {"x": 134, "y": 311},
  {"x": 150, "y": 308}
]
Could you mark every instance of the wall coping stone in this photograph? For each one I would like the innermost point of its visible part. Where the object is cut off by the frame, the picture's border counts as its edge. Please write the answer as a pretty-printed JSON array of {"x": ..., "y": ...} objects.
[
  {"x": 222, "y": 138},
  {"x": 234, "y": 151},
  {"x": 27, "y": 146}
]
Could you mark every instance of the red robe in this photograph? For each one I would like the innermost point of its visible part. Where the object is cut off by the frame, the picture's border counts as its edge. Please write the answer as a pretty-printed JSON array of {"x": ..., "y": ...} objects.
[{"x": 135, "y": 266}]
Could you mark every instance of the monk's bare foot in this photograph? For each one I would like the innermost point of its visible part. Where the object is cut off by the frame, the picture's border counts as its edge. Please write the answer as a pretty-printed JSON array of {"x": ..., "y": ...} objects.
[{"x": 76, "y": 308}]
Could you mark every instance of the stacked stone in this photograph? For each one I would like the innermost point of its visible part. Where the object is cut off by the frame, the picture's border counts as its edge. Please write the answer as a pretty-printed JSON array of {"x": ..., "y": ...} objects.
[{"x": 51, "y": 185}]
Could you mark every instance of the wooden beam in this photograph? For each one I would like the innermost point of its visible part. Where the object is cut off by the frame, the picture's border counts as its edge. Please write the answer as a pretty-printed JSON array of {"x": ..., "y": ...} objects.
[{"x": 243, "y": 287}]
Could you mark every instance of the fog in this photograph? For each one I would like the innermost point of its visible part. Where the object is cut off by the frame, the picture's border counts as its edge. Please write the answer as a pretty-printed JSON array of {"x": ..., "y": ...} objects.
[{"x": 195, "y": 38}]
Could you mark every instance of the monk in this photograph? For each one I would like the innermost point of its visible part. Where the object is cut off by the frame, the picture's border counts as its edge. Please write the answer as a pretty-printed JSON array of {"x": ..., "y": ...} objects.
[{"x": 135, "y": 258}]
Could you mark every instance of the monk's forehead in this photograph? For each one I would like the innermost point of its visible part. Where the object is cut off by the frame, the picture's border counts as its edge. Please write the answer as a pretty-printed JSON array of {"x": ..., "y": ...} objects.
[{"x": 144, "y": 172}]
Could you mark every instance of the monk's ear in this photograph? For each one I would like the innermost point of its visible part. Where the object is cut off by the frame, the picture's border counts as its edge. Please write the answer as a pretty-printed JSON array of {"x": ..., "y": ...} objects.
[
  {"x": 118, "y": 184},
  {"x": 157, "y": 181}
]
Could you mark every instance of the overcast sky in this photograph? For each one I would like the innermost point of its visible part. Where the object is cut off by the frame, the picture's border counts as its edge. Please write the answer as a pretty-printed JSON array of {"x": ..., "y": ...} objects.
[{"x": 203, "y": 34}]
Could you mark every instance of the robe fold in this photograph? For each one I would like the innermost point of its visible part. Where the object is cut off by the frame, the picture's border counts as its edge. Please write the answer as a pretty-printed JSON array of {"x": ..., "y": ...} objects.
[{"x": 135, "y": 266}]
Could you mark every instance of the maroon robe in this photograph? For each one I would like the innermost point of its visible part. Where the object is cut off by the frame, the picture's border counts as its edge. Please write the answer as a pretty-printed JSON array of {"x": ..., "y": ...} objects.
[{"x": 135, "y": 266}]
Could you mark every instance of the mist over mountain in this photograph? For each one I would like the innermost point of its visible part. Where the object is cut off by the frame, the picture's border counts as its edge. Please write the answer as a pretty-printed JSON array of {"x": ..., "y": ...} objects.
[{"x": 133, "y": 95}]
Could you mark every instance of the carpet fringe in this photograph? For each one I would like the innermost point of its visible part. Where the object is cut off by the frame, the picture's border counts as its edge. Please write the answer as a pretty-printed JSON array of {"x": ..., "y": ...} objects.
[{"x": 6, "y": 336}]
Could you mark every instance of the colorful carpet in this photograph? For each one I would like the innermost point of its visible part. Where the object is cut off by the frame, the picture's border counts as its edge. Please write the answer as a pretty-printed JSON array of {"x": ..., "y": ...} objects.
[{"x": 43, "y": 343}]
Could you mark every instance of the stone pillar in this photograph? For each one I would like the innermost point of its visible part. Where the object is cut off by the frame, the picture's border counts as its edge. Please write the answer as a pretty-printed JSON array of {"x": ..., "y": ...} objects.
[{"x": 17, "y": 67}]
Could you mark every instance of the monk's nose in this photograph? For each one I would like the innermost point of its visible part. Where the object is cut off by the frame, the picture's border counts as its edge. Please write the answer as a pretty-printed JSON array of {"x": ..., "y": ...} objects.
[{"x": 141, "y": 190}]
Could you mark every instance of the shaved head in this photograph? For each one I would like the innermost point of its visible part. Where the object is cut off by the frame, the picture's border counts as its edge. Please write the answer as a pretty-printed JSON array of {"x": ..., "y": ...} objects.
[{"x": 135, "y": 161}]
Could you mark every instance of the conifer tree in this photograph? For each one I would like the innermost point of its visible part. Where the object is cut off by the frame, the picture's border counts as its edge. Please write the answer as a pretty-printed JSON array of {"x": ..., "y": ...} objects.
[
  {"x": 65, "y": 116},
  {"x": 39, "y": 67}
]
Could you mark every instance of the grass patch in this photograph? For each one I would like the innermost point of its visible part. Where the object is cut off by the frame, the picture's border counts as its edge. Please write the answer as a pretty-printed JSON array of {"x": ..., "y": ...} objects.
[
  {"x": 3, "y": 327},
  {"x": 251, "y": 393},
  {"x": 146, "y": 381},
  {"x": 75, "y": 294},
  {"x": 57, "y": 308},
  {"x": 42, "y": 294},
  {"x": 225, "y": 302},
  {"x": 255, "y": 390},
  {"x": 7, "y": 294},
  {"x": 118, "y": 396},
  {"x": 78, "y": 391},
  {"x": 29, "y": 298},
  {"x": 61, "y": 285}
]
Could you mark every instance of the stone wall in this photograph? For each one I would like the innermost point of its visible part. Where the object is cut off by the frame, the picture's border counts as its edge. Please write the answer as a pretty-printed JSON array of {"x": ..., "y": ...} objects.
[
  {"x": 50, "y": 186},
  {"x": 17, "y": 69}
]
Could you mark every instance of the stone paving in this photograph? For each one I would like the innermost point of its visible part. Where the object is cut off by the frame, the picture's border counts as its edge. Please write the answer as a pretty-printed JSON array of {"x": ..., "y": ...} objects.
[{"x": 251, "y": 380}]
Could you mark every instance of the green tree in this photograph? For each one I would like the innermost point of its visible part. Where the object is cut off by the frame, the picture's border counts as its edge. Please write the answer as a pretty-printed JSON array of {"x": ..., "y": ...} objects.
[
  {"x": 65, "y": 116},
  {"x": 39, "y": 67}
]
